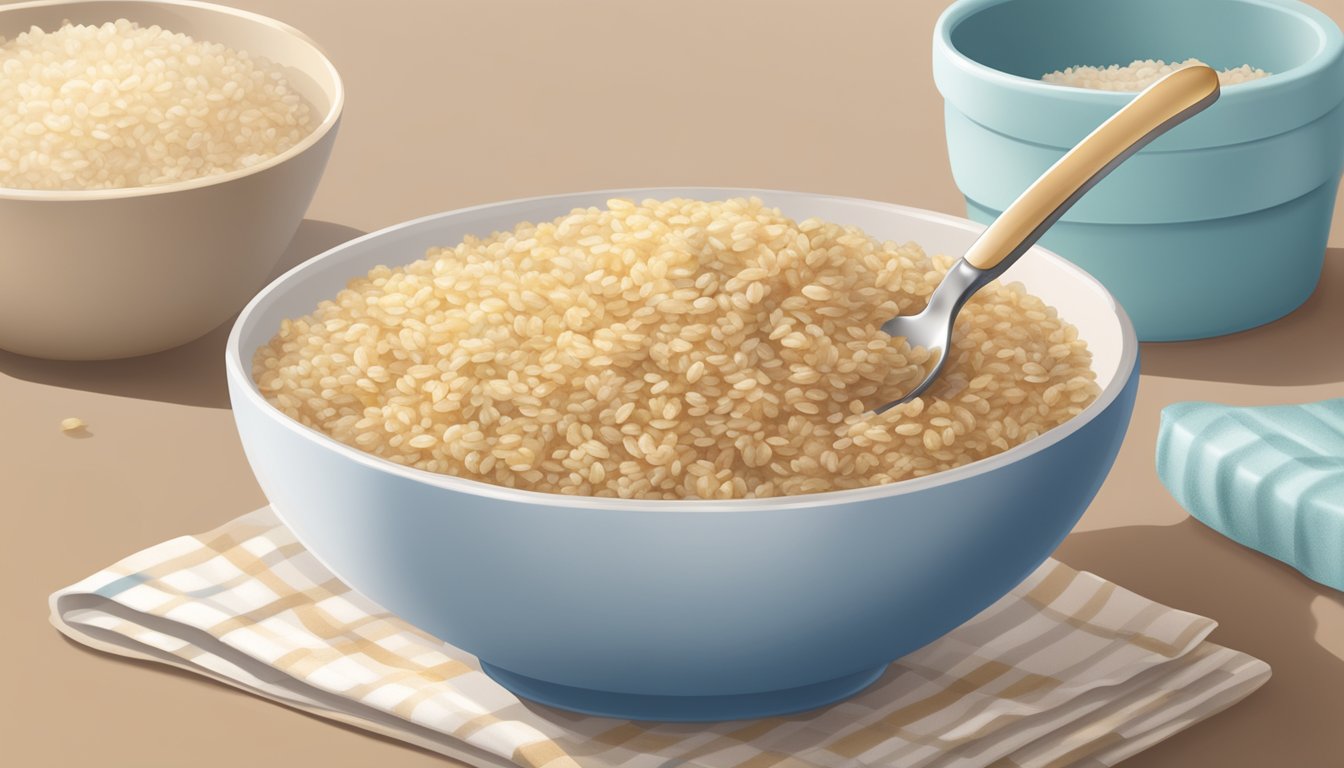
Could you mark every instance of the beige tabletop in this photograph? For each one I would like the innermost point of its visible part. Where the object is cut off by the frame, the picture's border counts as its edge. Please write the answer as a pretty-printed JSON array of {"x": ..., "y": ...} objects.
[{"x": 453, "y": 103}]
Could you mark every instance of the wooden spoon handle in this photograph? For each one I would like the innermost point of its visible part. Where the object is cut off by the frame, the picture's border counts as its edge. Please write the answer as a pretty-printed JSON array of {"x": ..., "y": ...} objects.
[{"x": 1160, "y": 107}]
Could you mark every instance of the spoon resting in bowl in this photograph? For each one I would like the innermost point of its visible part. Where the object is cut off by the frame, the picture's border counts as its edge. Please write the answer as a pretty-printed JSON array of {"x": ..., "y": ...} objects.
[{"x": 1160, "y": 107}]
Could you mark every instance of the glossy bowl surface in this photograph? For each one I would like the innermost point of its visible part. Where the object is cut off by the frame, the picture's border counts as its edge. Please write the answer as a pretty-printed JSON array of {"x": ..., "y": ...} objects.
[{"x": 682, "y": 610}]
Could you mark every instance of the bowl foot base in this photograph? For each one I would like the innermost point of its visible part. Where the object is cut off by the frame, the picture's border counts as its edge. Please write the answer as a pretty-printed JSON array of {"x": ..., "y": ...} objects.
[{"x": 635, "y": 706}]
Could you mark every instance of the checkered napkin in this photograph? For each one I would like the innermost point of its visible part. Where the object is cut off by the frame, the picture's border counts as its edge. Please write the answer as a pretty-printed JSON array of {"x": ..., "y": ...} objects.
[{"x": 1068, "y": 669}]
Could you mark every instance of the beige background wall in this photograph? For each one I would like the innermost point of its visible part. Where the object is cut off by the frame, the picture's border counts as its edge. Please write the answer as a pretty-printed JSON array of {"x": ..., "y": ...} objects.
[{"x": 454, "y": 103}]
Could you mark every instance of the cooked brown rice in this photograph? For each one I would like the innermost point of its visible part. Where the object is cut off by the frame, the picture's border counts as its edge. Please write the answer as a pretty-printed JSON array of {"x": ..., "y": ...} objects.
[{"x": 668, "y": 350}]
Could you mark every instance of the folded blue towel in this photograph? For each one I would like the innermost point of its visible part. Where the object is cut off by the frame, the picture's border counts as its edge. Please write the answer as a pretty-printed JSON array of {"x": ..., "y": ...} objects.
[{"x": 1271, "y": 478}]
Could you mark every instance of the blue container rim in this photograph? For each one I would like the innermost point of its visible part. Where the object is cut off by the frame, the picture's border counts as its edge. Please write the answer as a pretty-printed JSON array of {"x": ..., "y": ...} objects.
[{"x": 963, "y": 80}]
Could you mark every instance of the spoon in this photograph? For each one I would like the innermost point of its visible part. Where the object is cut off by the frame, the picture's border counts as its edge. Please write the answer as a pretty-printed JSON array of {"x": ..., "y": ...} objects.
[{"x": 1160, "y": 107}]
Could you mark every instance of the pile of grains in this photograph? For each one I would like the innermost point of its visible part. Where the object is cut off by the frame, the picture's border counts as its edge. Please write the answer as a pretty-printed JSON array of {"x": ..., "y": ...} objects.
[
  {"x": 120, "y": 105},
  {"x": 670, "y": 350},
  {"x": 1142, "y": 73}
]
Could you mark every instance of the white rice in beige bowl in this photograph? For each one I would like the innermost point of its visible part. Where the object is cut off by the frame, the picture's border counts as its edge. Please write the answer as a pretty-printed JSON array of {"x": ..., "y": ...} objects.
[
  {"x": 122, "y": 105},
  {"x": 671, "y": 350}
]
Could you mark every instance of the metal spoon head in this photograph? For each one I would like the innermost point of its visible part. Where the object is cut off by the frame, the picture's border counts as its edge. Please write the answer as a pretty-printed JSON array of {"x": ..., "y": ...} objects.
[
  {"x": 934, "y": 333},
  {"x": 932, "y": 327}
]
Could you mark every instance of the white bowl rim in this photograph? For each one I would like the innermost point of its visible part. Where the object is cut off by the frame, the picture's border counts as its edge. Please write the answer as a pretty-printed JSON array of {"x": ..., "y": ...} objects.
[
  {"x": 236, "y": 369},
  {"x": 313, "y": 137}
]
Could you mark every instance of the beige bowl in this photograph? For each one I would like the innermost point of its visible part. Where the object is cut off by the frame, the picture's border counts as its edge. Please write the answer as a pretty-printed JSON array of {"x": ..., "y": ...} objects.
[{"x": 98, "y": 274}]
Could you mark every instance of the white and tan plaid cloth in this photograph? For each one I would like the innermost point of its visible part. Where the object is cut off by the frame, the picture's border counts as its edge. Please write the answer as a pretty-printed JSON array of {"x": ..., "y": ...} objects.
[{"x": 1068, "y": 669}]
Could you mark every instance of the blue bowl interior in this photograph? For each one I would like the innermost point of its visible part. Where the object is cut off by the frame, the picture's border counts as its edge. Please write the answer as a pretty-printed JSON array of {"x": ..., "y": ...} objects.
[{"x": 1029, "y": 38}]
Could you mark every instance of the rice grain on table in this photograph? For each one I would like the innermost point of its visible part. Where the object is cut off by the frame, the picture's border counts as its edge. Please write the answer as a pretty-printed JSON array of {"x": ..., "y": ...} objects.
[
  {"x": 667, "y": 350},
  {"x": 1141, "y": 73},
  {"x": 120, "y": 105}
]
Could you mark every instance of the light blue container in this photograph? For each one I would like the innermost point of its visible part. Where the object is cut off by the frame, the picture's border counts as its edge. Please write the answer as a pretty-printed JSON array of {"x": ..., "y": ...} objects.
[
  {"x": 683, "y": 610},
  {"x": 1218, "y": 226}
]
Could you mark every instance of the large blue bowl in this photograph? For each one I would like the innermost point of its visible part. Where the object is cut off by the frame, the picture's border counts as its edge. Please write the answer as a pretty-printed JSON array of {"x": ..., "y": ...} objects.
[
  {"x": 682, "y": 610},
  {"x": 1218, "y": 226}
]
